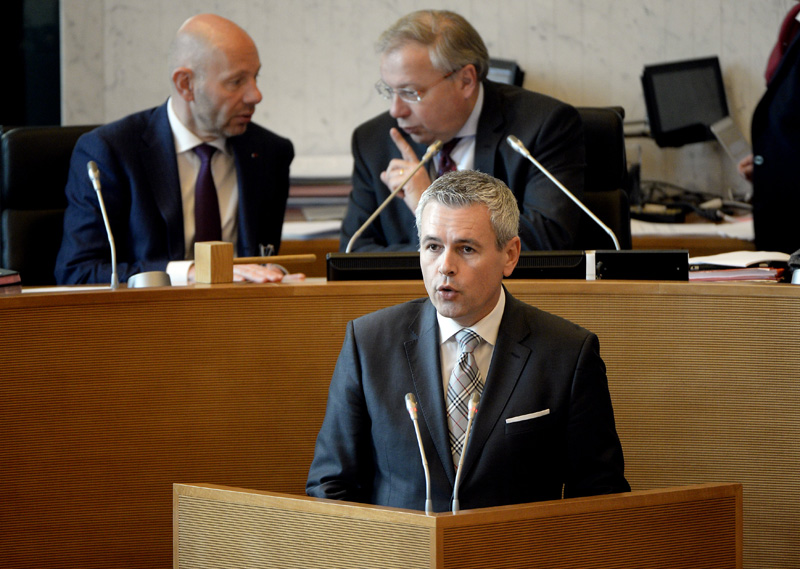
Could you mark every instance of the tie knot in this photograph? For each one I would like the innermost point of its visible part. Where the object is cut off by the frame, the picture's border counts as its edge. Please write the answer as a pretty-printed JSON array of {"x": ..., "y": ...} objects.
[
  {"x": 204, "y": 151},
  {"x": 448, "y": 146},
  {"x": 467, "y": 339}
]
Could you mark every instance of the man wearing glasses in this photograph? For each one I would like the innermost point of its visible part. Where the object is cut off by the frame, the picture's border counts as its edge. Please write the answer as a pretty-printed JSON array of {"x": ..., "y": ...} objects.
[{"x": 433, "y": 71}]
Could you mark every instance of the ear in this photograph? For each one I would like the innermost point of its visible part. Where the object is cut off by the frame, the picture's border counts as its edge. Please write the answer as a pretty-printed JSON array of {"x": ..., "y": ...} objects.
[
  {"x": 183, "y": 82},
  {"x": 468, "y": 80},
  {"x": 512, "y": 252}
]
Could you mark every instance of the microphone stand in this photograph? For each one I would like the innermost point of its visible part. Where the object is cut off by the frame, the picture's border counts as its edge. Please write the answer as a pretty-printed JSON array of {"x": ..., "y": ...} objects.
[
  {"x": 411, "y": 405},
  {"x": 94, "y": 175},
  {"x": 432, "y": 149},
  {"x": 517, "y": 145},
  {"x": 473, "y": 408}
]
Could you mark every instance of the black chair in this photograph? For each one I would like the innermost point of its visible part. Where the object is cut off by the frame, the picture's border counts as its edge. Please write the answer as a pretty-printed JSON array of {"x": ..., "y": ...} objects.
[
  {"x": 34, "y": 162},
  {"x": 606, "y": 177}
]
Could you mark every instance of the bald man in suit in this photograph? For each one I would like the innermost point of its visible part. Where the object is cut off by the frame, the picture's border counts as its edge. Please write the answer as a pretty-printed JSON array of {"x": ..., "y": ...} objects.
[
  {"x": 545, "y": 421},
  {"x": 148, "y": 168}
]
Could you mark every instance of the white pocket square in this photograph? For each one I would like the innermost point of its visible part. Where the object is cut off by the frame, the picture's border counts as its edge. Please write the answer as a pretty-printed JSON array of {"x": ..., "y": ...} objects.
[{"x": 528, "y": 417}]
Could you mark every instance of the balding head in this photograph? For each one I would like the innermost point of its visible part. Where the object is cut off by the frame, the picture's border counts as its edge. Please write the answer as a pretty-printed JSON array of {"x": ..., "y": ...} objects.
[
  {"x": 200, "y": 37},
  {"x": 213, "y": 65}
]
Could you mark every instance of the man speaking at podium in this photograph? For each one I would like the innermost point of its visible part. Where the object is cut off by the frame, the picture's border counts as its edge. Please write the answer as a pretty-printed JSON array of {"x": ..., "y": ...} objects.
[
  {"x": 544, "y": 421},
  {"x": 192, "y": 169},
  {"x": 433, "y": 69}
]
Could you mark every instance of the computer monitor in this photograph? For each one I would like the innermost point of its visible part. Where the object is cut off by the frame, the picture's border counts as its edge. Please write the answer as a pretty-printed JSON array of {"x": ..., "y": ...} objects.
[
  {"x": 505, "y": 71},
  {"x": 622, "y": 265},
  {"x": 683, "y": 99}
]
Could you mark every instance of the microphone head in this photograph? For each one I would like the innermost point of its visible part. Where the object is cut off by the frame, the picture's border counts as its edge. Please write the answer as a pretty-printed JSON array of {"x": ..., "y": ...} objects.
[
  {"x": 474, "y": 400},
  {"x": 432, "y": 149},
  {"x": 411, "y": 405},
  {"x": 516, "y": 144},
  {"x": 94, "y": 172}
]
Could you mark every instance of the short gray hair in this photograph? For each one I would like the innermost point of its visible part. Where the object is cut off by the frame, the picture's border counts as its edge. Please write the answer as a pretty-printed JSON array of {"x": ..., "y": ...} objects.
[
  {"x": 451, "y": 40},
  {"x": 469, "y": 187}
]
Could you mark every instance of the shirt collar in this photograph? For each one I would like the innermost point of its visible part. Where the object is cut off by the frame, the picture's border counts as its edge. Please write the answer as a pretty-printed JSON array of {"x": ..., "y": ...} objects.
[
  {"x": 470, "y": 127},
  {"x": 184, "y": 138},
  {"x": 487, "y": 327}
]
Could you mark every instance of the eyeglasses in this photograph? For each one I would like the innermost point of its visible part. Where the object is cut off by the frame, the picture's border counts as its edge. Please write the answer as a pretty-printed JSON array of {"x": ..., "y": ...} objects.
[{"x": 407, "y": 95}]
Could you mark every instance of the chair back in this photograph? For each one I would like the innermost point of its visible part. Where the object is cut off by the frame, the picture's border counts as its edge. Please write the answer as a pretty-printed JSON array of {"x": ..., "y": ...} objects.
[
  {"x": 606, "y": 175},
  {"x": 34, "y": 164}
]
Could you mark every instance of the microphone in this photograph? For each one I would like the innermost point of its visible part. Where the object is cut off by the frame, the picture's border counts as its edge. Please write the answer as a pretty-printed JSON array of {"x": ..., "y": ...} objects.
[
  {"x": 517, "y": 145},
  {"x": 474, "y": 399},
  {"x": 432, "y": 150},
  {"x": 94, "y": 176},
  {"x": 411, "y": 405}
]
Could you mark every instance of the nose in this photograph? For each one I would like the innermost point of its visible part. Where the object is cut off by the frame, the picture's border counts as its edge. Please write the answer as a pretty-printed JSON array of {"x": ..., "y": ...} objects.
[
  {"x": 447, "y": 263},
  {"x": 399, "y": 108},
  {"x": 253, "y": 95}
]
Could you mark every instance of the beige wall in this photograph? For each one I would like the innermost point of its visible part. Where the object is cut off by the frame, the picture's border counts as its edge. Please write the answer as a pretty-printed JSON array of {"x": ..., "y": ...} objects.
[{"x": 319, "y": 64}]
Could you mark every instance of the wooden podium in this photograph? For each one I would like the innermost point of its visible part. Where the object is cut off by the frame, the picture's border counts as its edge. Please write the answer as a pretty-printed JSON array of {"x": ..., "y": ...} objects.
[{"x": 693, "y": 527}]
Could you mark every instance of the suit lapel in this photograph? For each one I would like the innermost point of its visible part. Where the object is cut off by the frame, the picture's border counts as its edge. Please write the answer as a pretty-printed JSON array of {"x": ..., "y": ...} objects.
[
  {"x": 161, "y": 164},
  {"x": 247, "y": 177},
  {"x": 425, "y": 367},
  {"x": 508, "y": 361},
  {"x": 490, "y": 129}
]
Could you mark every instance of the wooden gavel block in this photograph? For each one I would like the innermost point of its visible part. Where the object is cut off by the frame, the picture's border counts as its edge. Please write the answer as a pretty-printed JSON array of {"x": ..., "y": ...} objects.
[{"x": 213, "y": 261}]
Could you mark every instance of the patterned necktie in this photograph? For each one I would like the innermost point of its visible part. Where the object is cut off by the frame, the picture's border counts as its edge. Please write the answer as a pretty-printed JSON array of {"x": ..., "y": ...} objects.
[
  {"x": 206, "y": 205},
  {"x": 446, "y": 163},
  {"x": 465, "y": 379}
]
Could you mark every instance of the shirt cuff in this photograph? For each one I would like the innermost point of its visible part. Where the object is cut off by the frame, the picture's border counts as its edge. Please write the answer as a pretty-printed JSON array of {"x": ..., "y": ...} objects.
[{"x": 178, "y": 272}]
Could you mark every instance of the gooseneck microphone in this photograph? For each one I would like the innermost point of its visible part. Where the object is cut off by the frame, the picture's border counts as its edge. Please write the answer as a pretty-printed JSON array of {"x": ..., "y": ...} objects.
[
  {"x": 432, "y": 150},
  {"x": 517, "y": 145},
  {"x": 94, "y": 176},
  {"x": 474, "y": 400},
  {"x": 411, "y": 405}
]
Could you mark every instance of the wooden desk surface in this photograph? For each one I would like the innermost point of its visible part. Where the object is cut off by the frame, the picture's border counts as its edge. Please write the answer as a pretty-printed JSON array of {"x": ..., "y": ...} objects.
[{"x": 226, "y": 384}]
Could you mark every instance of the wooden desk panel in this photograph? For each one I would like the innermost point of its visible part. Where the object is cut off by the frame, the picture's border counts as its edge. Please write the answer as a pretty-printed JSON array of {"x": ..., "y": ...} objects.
[{"x": 139, "y": 389}]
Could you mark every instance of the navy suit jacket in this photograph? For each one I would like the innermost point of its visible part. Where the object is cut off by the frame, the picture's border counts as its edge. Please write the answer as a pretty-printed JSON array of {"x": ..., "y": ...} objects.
[
  {"x": 550, "y": 129},
  {"x": 141, "y": 191},
  {"x": 367, "y": 450},
  {"x": 776, "y": 148}
]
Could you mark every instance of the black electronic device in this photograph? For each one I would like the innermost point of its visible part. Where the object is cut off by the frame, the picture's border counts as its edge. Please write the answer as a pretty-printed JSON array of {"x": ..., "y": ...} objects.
[
  {"x": 505, "y": 71},
  {"x": 683, "y": 99},
  {"x": 620, "y": 265}
]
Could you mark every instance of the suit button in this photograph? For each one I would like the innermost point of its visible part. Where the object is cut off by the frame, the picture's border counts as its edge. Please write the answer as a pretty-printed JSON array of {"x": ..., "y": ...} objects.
[{"x": 758, "y": 160}]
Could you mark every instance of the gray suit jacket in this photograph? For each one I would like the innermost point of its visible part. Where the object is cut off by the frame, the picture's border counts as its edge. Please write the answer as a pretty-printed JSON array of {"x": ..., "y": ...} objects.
[
  {"x": 550, "y": 129},
  {"x": 141, "y": 190},
  {"x": 367, "y": 449}
]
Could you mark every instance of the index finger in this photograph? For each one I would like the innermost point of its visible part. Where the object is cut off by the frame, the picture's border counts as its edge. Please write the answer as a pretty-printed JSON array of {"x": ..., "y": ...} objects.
[{"x": 403, "y": 146}]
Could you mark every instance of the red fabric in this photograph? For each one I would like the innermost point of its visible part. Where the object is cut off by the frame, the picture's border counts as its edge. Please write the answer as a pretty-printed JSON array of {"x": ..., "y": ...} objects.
[
  {"x": 789, "y": 29},
  {"x": 446, "y": 163}
]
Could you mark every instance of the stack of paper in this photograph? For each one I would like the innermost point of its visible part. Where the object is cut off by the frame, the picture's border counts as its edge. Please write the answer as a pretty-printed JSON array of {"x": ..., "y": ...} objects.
[{"x": 765, "y": 266}]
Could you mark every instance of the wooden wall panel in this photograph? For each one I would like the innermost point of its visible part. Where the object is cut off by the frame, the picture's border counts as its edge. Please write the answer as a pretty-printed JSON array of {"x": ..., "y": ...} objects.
[{"x": 227, "y": 384}]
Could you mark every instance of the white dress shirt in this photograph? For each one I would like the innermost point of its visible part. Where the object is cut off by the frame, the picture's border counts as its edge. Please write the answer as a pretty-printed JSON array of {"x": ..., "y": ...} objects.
[
  {"x": 487, "y": 328},
  {"x": 223, "y": 170}
]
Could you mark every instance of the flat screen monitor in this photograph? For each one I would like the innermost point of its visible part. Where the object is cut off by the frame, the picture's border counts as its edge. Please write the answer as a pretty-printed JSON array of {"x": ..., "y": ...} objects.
[
  {"x": 624, "y": 265},
  {"x": 683, "y": 99},
  {"x": 505, "y": 71}
]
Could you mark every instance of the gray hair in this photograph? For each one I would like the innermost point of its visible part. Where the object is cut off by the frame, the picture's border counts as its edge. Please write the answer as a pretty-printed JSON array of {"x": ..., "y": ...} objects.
[
  {"x": 469, "y": 187},
  {"x": 451, "y": 40}
]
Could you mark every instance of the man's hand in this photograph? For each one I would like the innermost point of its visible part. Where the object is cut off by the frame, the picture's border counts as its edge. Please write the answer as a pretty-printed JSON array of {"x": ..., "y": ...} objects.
[
  {"x": 745, "y": 168},
  {"x": 399, "y": 168},
  {"x": 258, "y": 274}
]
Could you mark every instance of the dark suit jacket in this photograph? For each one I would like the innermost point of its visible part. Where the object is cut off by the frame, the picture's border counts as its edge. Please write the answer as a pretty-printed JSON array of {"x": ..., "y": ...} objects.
[
  {"x": 776, "y": 149},
  {"x": 141, "y": 190},
  {"x": 551, "y": 130},
  {"x": 367, "y": 450}
]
